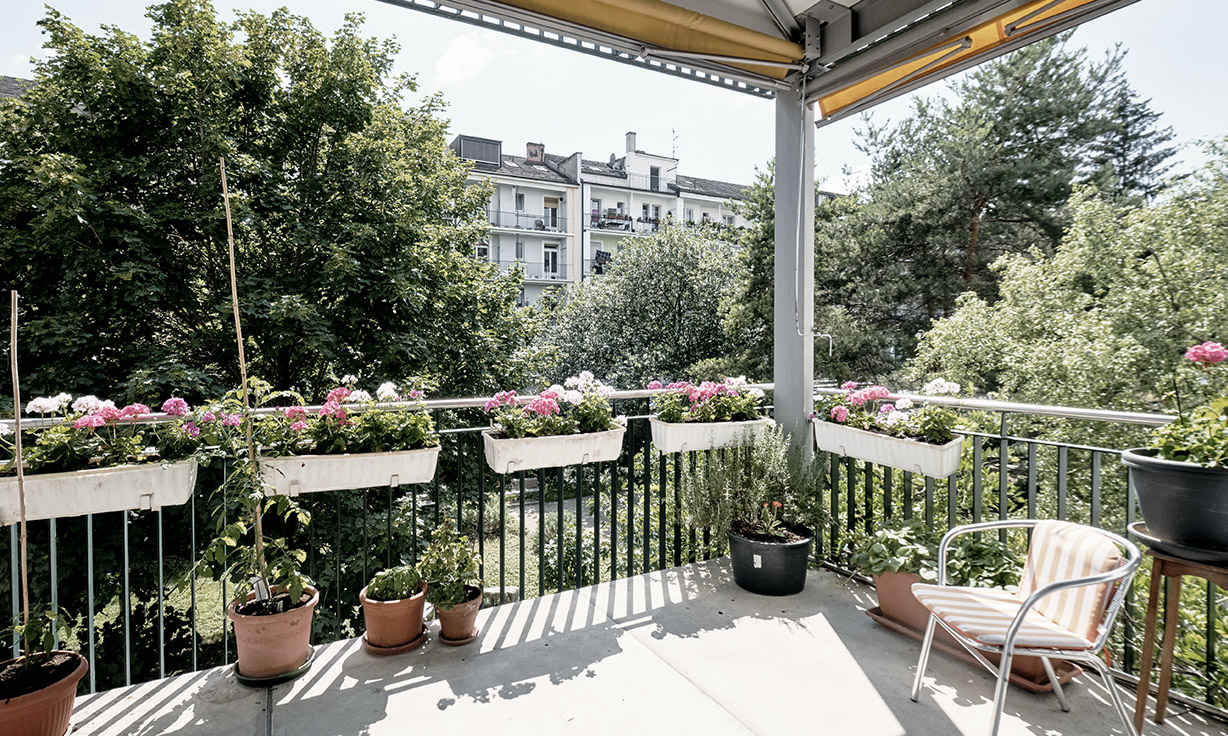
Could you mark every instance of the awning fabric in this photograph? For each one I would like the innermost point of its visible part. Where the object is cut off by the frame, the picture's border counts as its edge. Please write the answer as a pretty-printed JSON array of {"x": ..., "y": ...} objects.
[
  {"x": 672, "y": 28},
  {"x": 978, "y": 41}
]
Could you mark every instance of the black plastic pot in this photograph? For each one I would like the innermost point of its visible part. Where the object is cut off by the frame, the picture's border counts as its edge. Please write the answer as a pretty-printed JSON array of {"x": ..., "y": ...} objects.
[
  {"x": 769, "y": 568},
  {"x": 1183, "y": 503}
]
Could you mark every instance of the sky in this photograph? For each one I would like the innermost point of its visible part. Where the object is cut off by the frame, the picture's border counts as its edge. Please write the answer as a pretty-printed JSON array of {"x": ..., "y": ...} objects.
[{"x": 514, "y": 90}]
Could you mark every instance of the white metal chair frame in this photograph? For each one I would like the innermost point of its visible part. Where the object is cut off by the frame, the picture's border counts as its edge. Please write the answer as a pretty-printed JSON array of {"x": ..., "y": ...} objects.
[{"x": 1121, "y": 575}]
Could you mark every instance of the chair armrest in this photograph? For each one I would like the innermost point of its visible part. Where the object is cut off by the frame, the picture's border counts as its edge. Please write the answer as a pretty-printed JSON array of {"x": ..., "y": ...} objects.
[{"x": 971, "y": 528}]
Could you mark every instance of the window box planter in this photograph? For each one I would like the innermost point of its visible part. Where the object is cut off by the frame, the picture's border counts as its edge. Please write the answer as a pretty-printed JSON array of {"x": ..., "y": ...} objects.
[
  {"x": 694, "y": 436},
  {"x": 80, "y": 492},
  {"x": 529, "y": 453},
  {"x": 1182, "y": 503},
  {"x": 936, "y": 461},
  {"x": 295, "y": 474}
]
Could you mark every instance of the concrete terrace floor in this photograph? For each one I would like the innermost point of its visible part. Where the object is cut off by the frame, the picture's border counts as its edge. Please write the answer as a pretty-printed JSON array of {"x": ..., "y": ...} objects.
[{"x": 679, "y": 651}]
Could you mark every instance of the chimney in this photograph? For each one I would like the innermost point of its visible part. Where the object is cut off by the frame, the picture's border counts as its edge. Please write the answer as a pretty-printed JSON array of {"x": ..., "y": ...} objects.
[
  {"x": 631, "y": 142},
  {"x": 535, "y": 153}
]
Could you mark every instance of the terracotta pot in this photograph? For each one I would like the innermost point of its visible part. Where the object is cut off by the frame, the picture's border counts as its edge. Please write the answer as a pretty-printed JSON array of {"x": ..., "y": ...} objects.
[
  {"x": 276, "y": 644},
  {"x": 456, "y": 623},
  {"x": 43, "y": 712},
  {"x": 392, "y": 624},
  {"x": 897, "y": 604}
]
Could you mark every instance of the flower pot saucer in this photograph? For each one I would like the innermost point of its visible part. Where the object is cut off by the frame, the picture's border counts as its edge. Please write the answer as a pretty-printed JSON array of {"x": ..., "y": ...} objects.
[
  {"x": 389, "y": 651},
  {"x": 272, "y": 680},
  {"x": 1193, "y": 554},
  {"x": 458, "y": 642}
]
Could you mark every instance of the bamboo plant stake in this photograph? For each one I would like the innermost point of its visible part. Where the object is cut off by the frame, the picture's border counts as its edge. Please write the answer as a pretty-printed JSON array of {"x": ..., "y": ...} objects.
[
  {"x": 247, "y": 414},
  {"x": 21, "y": 477}
]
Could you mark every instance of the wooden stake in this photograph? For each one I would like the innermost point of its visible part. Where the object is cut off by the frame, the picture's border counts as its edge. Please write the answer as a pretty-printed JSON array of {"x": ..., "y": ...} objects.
[
  {"x": 21, "y": 476},
  {"x": 247, "y": 417}
]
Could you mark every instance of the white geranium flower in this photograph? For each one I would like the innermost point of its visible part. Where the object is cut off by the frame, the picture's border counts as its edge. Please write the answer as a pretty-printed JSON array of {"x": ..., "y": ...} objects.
[
  {"x": 586, "y": 376},
  {"x": 387, "y": 392},
  {"x": 891, "y": 418},
  {"x": 573, "y": 397},
  {"x": 43, "y": 405},
  {"x": 756, "y": 392},
  {"x": 5, "y": 429},
  {"x": 556, "y": 389},
  {"x": 571, "y": 382},
  {"x": 358, "y": 397},
  {"x": 903, "y": 403},
  {"x": 940, "y": 387},
  {"x": 349, "y": 380}
]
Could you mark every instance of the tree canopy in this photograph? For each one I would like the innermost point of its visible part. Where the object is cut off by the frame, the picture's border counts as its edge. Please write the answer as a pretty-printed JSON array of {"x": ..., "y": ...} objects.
[{"x": 353, "y": 221}]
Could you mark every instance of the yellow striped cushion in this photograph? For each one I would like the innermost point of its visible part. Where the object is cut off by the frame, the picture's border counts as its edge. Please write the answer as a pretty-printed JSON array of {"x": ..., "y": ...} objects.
[
  {"x": 1061, "y": 550},
  {"x": 983, "y": 615}
]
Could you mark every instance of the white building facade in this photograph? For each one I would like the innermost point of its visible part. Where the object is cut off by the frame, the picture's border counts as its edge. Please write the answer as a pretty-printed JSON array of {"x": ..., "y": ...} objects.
[{"x": 562, "y": 219}]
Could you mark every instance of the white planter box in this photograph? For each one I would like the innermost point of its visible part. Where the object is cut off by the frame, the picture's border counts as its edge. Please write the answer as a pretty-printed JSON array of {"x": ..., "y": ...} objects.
[
  {"x": 693, "y": 436},
  {"x": 80, "y": 492},
  {"x": 936, "y": 461},
  {"x": 295, "y": 474},
  {"x": 530, "y": 453}
]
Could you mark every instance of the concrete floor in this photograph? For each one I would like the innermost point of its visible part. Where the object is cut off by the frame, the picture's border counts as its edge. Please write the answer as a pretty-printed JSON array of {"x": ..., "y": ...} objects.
[{"x": 680, "y": 651}]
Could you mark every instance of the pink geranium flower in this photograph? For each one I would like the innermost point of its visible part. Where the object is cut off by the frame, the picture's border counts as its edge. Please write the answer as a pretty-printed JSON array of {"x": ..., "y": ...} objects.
[
  {"x": 1207, "y": 354},
  {"x": 654, "y": 385},
  {"x": 232, "y": 420},
  {"x": 89, "y": 420},
  {"x": 840, "y": 413},
  {"x": 176, "y": 407},
  {"x": 299, "y": 426},
  {"x": 190, "y": 430}
]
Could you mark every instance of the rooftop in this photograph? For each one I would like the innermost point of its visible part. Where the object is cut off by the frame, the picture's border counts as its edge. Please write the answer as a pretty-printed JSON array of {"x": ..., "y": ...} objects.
[
  {"x": 12, "y": 87},
  {"x": 679, "y": 650}
]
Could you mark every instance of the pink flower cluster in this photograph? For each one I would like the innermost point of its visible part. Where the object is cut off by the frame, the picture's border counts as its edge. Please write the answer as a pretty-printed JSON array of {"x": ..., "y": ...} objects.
[
  {"x": 176, "y": 407},
  {"x": 110, "y": 415},
  {"x": 337, "y": 395},
  {"x": 840, "y": 413},
  {"x": 1207, "y": 354},
  {"x": 869, "y": 393},
  {"x": 503, "y": 398},
  {"x": 333, "y": 409},
  {"x": 544, "y": 405}
]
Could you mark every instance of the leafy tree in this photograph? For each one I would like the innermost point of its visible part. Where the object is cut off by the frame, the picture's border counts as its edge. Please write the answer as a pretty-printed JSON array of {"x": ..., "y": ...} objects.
[
  {"x": 352, "y": 220},
  {"x": 656, "y": 312}
]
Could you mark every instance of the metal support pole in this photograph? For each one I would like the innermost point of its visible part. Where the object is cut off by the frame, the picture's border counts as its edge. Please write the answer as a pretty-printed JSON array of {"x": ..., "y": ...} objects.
[{"x": 793, "y": 350}]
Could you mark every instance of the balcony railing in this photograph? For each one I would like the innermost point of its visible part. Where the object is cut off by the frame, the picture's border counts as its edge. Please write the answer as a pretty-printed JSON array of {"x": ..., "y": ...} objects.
[
  {"x": 546, "y": 221},
  {"x": 624, "y": 223},
  {"x": 535, "y": 270},
  {"x": 143, "y": 613}
]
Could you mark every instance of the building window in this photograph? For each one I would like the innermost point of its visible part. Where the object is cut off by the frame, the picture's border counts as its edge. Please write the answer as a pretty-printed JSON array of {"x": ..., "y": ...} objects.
[
  {"x": 707, "y": 217},
  {"x": 656, "y": 212},
  {"x": 519, "y": 202},
  {"x": 690, "y": 215},
  {"x": 520, "y": 250},
  {"x": 594, "y": 206},
  {"x": 550, "y": 260},
  {"x": 550, "y": 213},
  {"x": 654, "y": 178},
  {"x": 482, "y": 251},
  {"x": 644, "y": 211},
  {"x": 728, "y": 219},
  {"x": 620, "y": 208}
]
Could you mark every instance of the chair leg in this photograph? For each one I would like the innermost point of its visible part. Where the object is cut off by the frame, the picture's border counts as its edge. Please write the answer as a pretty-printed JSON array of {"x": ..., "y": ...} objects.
[
  {"x": 1126, "y": 720},
  {"x": 923, "y": 661},
  {"x": 999, "y": 693},
  {"x": 1057, "y": 684}
]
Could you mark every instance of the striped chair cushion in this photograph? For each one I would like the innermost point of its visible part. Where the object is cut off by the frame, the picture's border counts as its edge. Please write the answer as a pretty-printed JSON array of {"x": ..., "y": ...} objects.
[
  {"x": 1061, "y": 550},
  {"x": 983, "y": 615}
]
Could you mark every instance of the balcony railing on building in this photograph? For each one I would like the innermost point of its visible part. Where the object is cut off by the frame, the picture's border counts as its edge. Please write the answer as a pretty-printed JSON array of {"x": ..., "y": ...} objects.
[
  {"x": 548, "y": 221},
  {"x": 536, "y": 271},
  {"x": 619, "y": 222}
]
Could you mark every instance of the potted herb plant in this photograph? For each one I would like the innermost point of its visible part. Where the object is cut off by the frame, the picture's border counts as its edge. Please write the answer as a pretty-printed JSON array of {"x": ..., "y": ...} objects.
[
  {"x": 751, "y": 493},
  {"x": 861, "y": 423},
  {"x": 350, "y": 443},
  {"x": 392, "y": 606},
  {"x": 898, "y": 555},
  {"x": 1182, "y": 478},
  {"x": 89, "y": 456},
  {"x": 449, "y": 568},
  {"x": 689, "y": 417},
  {"x": 571, "y": 424},
  {"x": 37, "y": 689}
]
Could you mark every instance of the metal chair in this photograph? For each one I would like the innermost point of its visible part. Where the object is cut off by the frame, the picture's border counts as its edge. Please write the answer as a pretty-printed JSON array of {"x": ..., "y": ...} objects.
[{"x": 1073, "y": 586}]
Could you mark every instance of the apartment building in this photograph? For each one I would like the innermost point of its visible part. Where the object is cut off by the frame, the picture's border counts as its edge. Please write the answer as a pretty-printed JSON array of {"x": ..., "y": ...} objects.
[{"x": 564, "y": 218}]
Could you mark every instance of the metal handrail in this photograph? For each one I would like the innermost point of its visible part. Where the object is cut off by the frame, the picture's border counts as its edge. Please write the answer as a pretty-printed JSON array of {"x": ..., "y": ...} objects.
[{"x": 1006, "y": 407}]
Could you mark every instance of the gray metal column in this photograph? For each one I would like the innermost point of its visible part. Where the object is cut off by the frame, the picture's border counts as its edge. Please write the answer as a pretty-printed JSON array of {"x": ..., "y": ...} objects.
[{"x": 794, "y": 291}]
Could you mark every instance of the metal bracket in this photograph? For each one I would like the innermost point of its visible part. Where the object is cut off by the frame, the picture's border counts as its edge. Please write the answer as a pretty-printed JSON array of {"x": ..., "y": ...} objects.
[
  {"x": 394, "y": 481},
  {"x": 293, "y": 491},
  {"x": 146, "y": 502}
]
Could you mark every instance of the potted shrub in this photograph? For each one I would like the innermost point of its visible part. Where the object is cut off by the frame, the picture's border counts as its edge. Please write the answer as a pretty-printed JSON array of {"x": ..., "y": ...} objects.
[
  {"x": 563, "y": 425},
  {"x": 689, "y": 417},
  {"x": 898, "y": 555},
  {"x": 89, "y": 456},
  {"x": 274, "y": 602},
  {"x": 449, "y": 567},
  {"x": 861, "y": 423},
  {"x": 392, "y": 606},
  {"x": 751, "y": 493},
  {"x": 1182, "y": 478},
  {"x": 350, "y": 443}
]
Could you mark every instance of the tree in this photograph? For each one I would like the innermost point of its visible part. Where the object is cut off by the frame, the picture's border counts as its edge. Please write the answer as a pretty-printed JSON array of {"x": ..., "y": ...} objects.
[
  {"x": 656, "y": 312},
  {"x": 352, "y": 219}
]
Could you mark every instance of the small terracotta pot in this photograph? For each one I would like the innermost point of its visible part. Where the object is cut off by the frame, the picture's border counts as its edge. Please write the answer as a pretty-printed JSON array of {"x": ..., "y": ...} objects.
[
  {"x": 276, "y": 644},
  {"x": 393, "y": 624},
  {"x": 43, "y": 712},
  {"x": 456, "y": 624}
]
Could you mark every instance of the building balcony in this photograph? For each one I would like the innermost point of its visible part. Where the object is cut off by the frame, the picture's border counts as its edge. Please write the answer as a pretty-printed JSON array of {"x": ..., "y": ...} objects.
[
  {"x": 546, "y": 222},
  {"x": 650, "y": 634},
  {"x": 626, "y": 224},
  {"x": 535, "y": 270}
]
